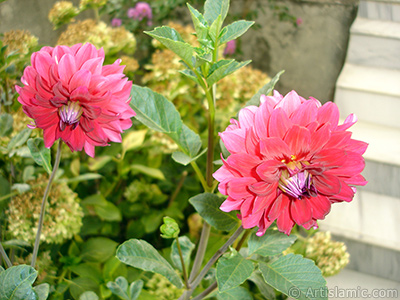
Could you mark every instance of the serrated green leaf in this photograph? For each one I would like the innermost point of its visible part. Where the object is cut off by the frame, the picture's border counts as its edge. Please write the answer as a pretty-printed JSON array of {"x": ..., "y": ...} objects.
[
  {"x": 184, "y": 159},
  {"x": 190, "y": 74},
  {"x": 207, "y": 205},
  {"x": 6, "y": 124},
  {"x": 42, "y": 291},
  {"x": 235, "y": 30},
  {"x": 187, "y": 247},
  {"x": 214, "y": 8},
  {"x": 40, "y": 154},
  {"x": 225, "y": 68},
  {"x": 265, "y": 289},
  {"x": 19, "y": 139},
  {"x": 152, "y": 172},
  {"x": 16, "y": 283},
  {"x": 295, "y": 273},
  {"x": 159, "y": 114},
  {"x": 89, "y": 295},
  {"x": 200, "y": 24},
  {"x": 98, "y": 249},
  {"x": 142, "y": 255},
  {"x": 271, "y": 243},
  {"x": 265, "y": 90},
  {"x": 171, "y": 39},
  {"x": 235, "y": 294},
  {"x": 233, "y": 271}
]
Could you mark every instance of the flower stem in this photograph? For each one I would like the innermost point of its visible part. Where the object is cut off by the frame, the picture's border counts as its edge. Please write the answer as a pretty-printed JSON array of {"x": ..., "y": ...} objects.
[
  {"x": 196, "y": 282},
  {"x": 5, "y": 256},
  {"x": 201, "y": 250},
  {"x": 207, "y": 291},
  {"x": 178, "y": 245},
  {"x": 44, "y": 201}
]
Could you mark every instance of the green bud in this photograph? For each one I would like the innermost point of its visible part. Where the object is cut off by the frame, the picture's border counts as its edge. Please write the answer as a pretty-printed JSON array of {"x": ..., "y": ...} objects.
[{"x": 170, "y": 229}]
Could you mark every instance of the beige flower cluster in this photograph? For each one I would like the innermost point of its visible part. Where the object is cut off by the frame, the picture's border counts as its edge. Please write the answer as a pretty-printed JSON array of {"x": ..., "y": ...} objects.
[
  {"x": 330, "y": 256},
  {"x": 63, "y": 218},
  {"x": 160, "y": 287},
  {"x": 19, "y": 40},
  {"x": 62, "y": 12}
]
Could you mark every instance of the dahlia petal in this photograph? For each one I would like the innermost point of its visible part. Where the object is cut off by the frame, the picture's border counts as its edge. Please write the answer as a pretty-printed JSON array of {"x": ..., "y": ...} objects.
[
  {"x": 305, "y": 113},
  {"x": 113, "y": 135},
  {"x": 233, "y": 142},
  {"x": 91, "y": 112},
  {"x": 289, "y": 103},
  {"x": 285, "y": 222},
  {"x": 350, "y": 121},
  {"x": 81, "y": 94},
  {"x": 86, "y": 125},
  {"x": 89, "y": 149},
  {"x": 311, "y": 224},
  {"x": 41, "y": 62},
  {"x": 262, "y": 188},
  {"x": 346, "y": 193},
  {"x": 320, "y": 206},
  {"x": 77, "y": 139},
  {"x": 86, "y": 52},
  {"x": 300, "y": 211},
  {"x": 274, "y": 148},
  {"x": 252, "y": 143},
  {"x": 261, "y": 118},
  {"x": 319, "y": 138},
  {"x": 356, "y": 180},
  {"x": 223, "y": 173},
  {"x": 93, "y": 65},
  {"x": 49, "y": 136},
  {"x": 356, "y": 146},
  {"x": 264, "y": 203},
  {"x": 66, "y": 68},
  {"x": 279, "y": 124},
  {"x": 251, "y": 220},
  {"x": 112, "y": 69},
  {"x": 339, "y": 139},
  {"x": 231, "y": 204},
  {"x": 244, "y": 163},
  {"x": 353, "y": 165},
  {"x": 298, "y": 139},
  {"x": 80, "y": 79},
  {"x": 246, "y": 116},
  {"x": 333, "y": 158},
  {"x": 60, "y": 91},
  {"x": 263, "y": 225},
  {"x": 238, "y": 187},
  {"x": 327, "y": 184},
  {"x": 269, "y": 171},
  {"x": 280, "y": 204},
  {"x": 328, "y": 113}
]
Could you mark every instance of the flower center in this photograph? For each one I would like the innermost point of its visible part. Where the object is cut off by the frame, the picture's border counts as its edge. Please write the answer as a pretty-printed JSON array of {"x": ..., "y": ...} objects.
[
  {"x": 70, "y": 114},
  {"x": 297, "y": 186}
]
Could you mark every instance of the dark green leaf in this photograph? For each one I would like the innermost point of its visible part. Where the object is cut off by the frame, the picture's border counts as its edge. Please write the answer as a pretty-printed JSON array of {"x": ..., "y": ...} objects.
[
  {"x": 142, "y": 255},
  {"x": 232, "y": 271},
  {"x": 187, "y": 247},
  {"x": 40, "y": 153},
  {"x": 214, "y": 8},
  {"x": 4, "y": 186},
  {"x": 265, "y": 90},
  {"x": 81, "y": 285},
  {"x": 207, "y": 205},
  {"x": 42, "y": 291},
  {"x": 16, "y": 283},
  {"x": 6, "y": 124},
  {"x": 235, "y": 294},
  {"x": 19, "y": 139},
  {"x": 171, "y": 39},
  {"x": 108, "y": 212},
  {"x": 265, "y": 289},
  {"x": 271, "y": 243},
  {"x": 225, "y": 67},
  {"x": 98, "y": 249},
  {"x": 295, "y": 276},
  {"x": 184, "y": 159},
  {"x": 87, "y": 270},
  {"x": 234, "y": 30}
]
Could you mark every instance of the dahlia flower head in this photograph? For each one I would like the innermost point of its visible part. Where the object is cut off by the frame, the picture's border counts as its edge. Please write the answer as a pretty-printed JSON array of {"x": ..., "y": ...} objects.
[
  {"x": 71, "y": 96},
  {"x": 289, "y": 162}
]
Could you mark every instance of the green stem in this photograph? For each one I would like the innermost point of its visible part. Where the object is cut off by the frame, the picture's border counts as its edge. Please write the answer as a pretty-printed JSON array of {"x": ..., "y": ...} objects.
[
  {"x": 199, "y": 174},
  {"x": 178, "y": 188},
  {"x": 43, "y": 206},
  {"x": 201, "y": 250},
  {"x": 178, "y": 245},
  {"x": 196, "y": 282},
  {"x": 242, "y": 240},
  {"x": 5, "y": 256},
  {"x": 207, "y": 291}
]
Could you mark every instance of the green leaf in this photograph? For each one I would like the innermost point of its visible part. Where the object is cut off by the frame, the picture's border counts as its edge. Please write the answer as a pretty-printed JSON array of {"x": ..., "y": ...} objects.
[
  {"x": 40, "y": 154},
  {"x": 21, "y": 187},
  {"x": 291, "y": 274},
  {"x": 108, "y": 212},
  {"x": 142, "y": 255},
  {"x": 223, "y": 69},
  {"x": 42, "y": 291},
  {"x": 200, "y": 24},
  {"x": 234, "y": 30},
  {"x": 19, "y": 139},
  {"x": 152, "y": 172},
  {"x": 16, "y": 283},
  {"x": 171, "y": 39},
  {"x": 265, "y": 289},
  {"x": 98, "y": 249},
  {"x": 87, "y": 270},
  {"x": 133, "y": 140},
  {"x": 207, "y": 205},
  {"x": 135, "y": 288},
  {"x": 81, "y": 285},
  {"x": 159, "y": 114},
  {"x": 235, "y": 294},
  {"x": 187, "y": 247},
  {"x": 28, "y": 174},
  {"x": 6, "y": 124},
  {"x": 4, "y": 187},
  {"x": 271, "y": 243},
  {"x": 98, "y": 162},
  {"x": 184, "y": 159},
  {"x": 119, "y": 287},
  {"x": 214, "y": 8},
  {"x": 215, "y": 28},
  {"x": 1, "y": 269},
  {"x": 89, "y": 295},
  {"x": 265, "y": 90},
  {"x": 83, "y": 177},
  {"x": 190, "y": 74},
  {"x": 232, "y": 271}
]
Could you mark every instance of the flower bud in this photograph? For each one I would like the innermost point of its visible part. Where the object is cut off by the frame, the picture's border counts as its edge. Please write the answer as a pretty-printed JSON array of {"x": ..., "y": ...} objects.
[{"x": 170, "y": 229}]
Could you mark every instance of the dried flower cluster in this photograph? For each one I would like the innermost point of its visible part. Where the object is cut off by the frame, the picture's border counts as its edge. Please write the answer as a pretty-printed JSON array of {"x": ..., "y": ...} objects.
[
  {"x": 62, "y": 12},
  {"x": 44, "y": 265},
  {"x": 19, "y": 40},
  {"x": 63, "y": 217},
  {"x": 329, "y": 256},
  {"x": 161, "y": 288},
  {"x": 84, "y": 4}
]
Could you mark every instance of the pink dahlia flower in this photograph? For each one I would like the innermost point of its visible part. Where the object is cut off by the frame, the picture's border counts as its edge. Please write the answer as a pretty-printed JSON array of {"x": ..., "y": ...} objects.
[
  {"x": 290, "y": 160},
  {"x": 71, "y": 96}
]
